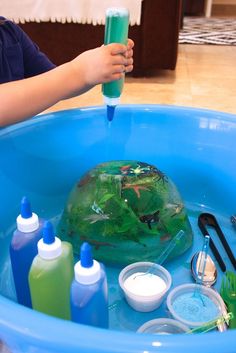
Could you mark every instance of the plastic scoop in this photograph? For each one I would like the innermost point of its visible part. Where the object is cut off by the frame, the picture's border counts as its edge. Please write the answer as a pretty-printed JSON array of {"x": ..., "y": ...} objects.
[
  {"x": 202, "y": 267},
  {"x": 203, "y": 259},
  {"x": 211, "y": 325},
  {"x": 165, "y": 253}
]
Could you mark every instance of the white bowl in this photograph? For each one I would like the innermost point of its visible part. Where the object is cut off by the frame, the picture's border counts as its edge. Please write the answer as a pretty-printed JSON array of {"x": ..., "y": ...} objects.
[
  {"x": 163, "y": 326},
  {"x": 147, "y": 291},
  {"x": 195, "y": 308}
]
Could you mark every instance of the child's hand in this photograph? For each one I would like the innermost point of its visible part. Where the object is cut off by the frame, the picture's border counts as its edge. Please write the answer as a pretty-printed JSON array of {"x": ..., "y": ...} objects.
[
  {"x": 104, "y": 64},
  {"x": 129, "y": 55}
]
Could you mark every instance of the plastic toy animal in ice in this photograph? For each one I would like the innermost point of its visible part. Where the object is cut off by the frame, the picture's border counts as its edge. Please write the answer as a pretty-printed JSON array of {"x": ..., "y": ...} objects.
[{"x": 128, "y": 210}]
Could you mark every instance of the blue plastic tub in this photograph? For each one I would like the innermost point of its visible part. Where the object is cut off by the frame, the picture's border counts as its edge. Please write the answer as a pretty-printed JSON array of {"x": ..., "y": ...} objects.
[{"x": 43, "y": 158}]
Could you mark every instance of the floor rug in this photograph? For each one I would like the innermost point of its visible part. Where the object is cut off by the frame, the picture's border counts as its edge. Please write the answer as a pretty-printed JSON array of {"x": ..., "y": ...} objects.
[{"x": 202, "y": 30}]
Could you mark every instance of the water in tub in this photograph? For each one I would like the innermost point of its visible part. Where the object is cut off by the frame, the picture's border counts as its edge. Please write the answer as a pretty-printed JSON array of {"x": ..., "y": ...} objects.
[{"x": 122, "y": 317}]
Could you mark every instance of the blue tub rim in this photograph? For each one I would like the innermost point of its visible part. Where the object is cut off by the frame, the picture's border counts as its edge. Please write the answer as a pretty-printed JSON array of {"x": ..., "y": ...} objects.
[{"x": 60, "y": 332}]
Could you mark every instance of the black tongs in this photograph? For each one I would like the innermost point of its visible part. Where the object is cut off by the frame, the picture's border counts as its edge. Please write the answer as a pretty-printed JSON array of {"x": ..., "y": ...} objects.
[{"x": 207, "y": 219}]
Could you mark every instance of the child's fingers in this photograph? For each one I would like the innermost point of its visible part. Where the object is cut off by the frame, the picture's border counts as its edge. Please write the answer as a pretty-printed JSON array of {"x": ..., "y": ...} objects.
[
  {"x": 122, "y": 60},
  {"x": 129, "y": 53},
  {"x": 122, "y": 70},
  {"x": 130, "y": 44},
  {"x": 129, "y": 68},
  {"x": 117, "y": 76},
  {"x": 119, "y": 59},
  {"x": 119, "y": 69},
  {"x": 117, "y": 48},
  {"x": 129, "y": 62},
  {"x": 125, "y": 66}
]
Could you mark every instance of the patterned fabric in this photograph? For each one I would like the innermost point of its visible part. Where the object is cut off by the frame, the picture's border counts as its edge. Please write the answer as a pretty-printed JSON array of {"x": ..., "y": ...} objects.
[
  {"x": 76, "y": 11},
  {"x": 202, "y": 30}
]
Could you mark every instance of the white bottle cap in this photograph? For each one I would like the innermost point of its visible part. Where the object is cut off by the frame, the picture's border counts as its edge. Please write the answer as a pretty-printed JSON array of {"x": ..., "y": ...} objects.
[
  {"x": 27, "y": 225},
  {"x": 49, "y": 251},
  {"x": 87, "y": 275},
  {"x": 117, "y": 11},
  {"x": 112, "y": 102}
]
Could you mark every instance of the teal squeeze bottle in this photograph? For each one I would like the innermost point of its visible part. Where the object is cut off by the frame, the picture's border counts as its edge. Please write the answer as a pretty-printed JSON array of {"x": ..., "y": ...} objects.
[
  {"x": 51, "y": 275},
  {"x": 23, "y": 249},
  {"x": 116, "y": 31},
  {"x": 89, "y": 293}
]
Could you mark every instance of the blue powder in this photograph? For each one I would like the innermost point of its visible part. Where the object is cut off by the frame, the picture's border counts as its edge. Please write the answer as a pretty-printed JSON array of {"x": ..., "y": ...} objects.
[{"x": 191, "y": 308}]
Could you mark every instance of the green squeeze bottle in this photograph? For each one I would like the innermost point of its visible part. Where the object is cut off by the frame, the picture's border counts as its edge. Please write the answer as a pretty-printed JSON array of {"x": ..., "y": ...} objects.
[
  {"x": 116, "y": 31},
  {"x": 51, "y": 275}
]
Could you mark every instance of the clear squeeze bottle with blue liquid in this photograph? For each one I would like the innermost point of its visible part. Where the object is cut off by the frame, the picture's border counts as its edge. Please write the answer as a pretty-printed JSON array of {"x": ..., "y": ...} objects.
[
  {"x": 23, "y": 249},
  {"x": 51, "y": 275},
  {"x": 89, "y": 292},
  {"x": 116, "y": 31}
]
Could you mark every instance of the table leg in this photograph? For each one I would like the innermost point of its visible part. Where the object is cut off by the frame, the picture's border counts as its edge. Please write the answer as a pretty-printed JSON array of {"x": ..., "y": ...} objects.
[{"x": 208, "y": 8}]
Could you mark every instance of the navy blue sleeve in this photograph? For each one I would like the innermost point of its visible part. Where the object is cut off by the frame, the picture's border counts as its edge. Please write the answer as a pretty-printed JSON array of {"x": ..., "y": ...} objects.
[
  {"x": 35, "y": 62},
  {"x": 20, "y": 57}
]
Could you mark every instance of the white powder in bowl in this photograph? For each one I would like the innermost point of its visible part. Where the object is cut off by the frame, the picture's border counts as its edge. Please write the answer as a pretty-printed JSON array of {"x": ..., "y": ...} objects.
[{"x": 143, "y": 284}]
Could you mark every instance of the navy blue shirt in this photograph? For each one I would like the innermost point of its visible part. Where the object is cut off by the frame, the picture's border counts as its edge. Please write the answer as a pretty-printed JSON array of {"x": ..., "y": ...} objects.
[{"x": 20, "y": 57}]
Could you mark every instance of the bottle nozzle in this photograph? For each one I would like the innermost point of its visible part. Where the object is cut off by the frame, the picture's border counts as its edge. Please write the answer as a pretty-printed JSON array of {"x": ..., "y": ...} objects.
[
  {"x": 27, "y": 221},
  {"x": 111, "y": 104},
  {"x": 25, "y": 208},
  {"x": 87, "y": 270},
  {"x": 49, "y": 246},
  {"x": 110, "y": 112},
  {"x": 86, "y": 258},
  {"x": 48, "y": 233}
]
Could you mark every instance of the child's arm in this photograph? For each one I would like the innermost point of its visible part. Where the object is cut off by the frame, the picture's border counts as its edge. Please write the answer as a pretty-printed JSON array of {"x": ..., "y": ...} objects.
[{"x": 22, "y": 99}]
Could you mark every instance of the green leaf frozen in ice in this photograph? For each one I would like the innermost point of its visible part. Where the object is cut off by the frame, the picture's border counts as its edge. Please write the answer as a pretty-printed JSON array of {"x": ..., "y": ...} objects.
[{"x": 127, "y": 210}]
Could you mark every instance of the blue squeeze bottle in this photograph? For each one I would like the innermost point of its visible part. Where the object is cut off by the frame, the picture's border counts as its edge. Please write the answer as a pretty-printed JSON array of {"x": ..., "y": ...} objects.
[
  {"x": 89, "y": 292},
  {"x": 116, "y": 31},
  {"x": 23, "y": 249}
]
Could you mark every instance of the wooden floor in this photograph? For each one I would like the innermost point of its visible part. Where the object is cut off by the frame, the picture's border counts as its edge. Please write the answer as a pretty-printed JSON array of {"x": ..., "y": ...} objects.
[{"x": 205, "y": 77}]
